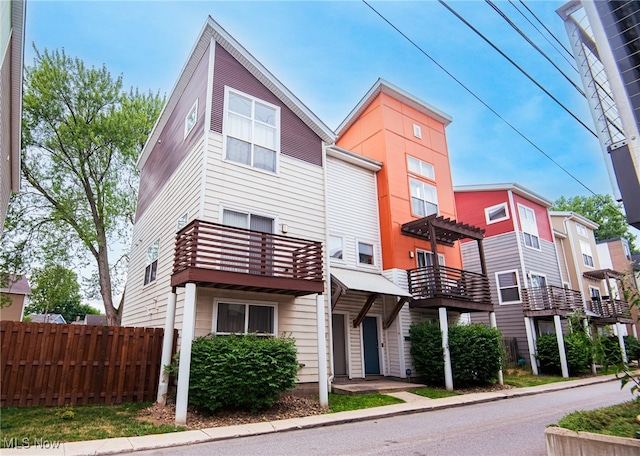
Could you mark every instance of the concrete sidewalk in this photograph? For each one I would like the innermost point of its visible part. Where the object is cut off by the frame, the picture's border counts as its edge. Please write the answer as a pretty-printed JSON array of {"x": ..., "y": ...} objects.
[{"x": 413, "y": 404}]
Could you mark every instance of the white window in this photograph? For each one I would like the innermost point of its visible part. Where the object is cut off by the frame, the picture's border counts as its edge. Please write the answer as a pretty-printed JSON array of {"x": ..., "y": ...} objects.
[
  {"x": 417, "y": 131},
  {"x": 236, "y": 317},
  {"x": 537, "y": 280},
  {"x": 366, "y": 254},
  {"x": 587, "y": 255},
  {"x": 250, "y": 252},
  {"x": 190, "y": 120},
  {"x": 151, "y": 269},
  {"x": 422, "y": 168},
  {"x": 252, "y": 130},
  {"x": 508, "y": 286},
  {"x": 424, "y": 198},
  {"x": 582, "y": 230},
  {"x": 529, "y": 227},
  {"x": 594, "y": 292},
  {"x": 496, "y": 213},
  {"x": 425, "y": 259},
  {"x": 182, "y": 221},
  {"x": 335, "y": 247}
]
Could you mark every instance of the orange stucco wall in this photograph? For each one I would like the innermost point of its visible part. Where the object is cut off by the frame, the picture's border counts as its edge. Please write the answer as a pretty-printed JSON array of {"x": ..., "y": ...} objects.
[{"x": 384, "y": 132}]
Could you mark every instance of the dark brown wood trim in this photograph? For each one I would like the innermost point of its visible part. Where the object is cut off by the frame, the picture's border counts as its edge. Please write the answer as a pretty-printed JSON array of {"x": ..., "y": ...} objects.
[
  {"x": 394, "y": 313},
  {"x": 363, "y": 312}
]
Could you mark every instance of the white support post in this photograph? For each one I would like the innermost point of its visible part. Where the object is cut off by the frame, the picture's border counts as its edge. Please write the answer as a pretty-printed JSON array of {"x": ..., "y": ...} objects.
[
  {"x": 531, "y": 342},
  {"x": 186, "y": 338},
  {"x": 623, "y": 350},
  {"x": 167, "y": 346},
  {"x": 323, "y": 386},
  {"x": 560, "y": 338},
  {"x": 444, "y": 327},
  {"x": 635, "y": 330},
  {"x": 494, "y": 324}
]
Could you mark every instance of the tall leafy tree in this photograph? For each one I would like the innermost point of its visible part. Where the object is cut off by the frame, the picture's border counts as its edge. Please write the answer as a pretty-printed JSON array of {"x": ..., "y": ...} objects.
[
  {"x": 603, "y": 210},
  {"x": 55, "y": 289},
  {"x": 82, "y": 135}
]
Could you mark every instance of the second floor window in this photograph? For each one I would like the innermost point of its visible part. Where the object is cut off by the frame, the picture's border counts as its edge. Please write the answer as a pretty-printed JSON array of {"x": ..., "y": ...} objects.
[
  {"x": 424, "y": 198},
  {"x": 365, "y": 253},
  {"x": 587, "y": 255},
  {"x": 422, "y": 168},
  {"x": 151, "y": 269},
  {"x": 508, "y": 287},
  {"x": 529, "y": 227},
  {"x": 252, "y": 129},
  {"x": 335, "y": 247}
]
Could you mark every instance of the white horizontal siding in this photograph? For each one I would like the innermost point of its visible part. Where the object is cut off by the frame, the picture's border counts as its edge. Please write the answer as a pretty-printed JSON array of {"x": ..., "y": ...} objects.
[{"x": 145, "y": 305}]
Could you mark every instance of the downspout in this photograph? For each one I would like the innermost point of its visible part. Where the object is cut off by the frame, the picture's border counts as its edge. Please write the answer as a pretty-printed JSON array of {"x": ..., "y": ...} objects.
[{"x": 327, "y": 260}]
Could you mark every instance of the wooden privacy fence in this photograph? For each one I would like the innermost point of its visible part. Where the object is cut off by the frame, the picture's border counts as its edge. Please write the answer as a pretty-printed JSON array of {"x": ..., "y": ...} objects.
[
  {"x": 510, "y": 346},
  {"x": 50, "y": 364}
]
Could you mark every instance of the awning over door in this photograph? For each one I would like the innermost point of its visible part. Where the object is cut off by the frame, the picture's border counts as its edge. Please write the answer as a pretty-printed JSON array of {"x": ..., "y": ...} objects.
[{"x": 367, "y": 282}]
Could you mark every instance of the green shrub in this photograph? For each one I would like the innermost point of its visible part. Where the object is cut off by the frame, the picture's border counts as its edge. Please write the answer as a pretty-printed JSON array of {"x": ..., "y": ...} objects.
[
  {"x": 427, "y": 353},
  {"x": 579, "y": 350},
  {"x": 611, "y": 355},
  {"x": 241, "y": 372},
  {"x": 632, "y": 346},
  {"x": 548, "y": 354},
  {"x": 476, "y": 353}
]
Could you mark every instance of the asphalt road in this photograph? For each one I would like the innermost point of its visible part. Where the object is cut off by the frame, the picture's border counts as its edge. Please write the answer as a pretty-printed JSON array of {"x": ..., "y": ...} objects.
[{"x": 506, "y": 427}]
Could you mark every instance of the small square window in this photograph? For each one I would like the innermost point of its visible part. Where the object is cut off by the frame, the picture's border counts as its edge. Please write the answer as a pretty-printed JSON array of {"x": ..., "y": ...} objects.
[
  {"x": 417, "y": 131},
  {"x": 182, "y": 221},
  {"x": 582, "y": 230},
  {"x": 365, "y": 253},
  {"x": 496, "y": 213},
  {"x": 191, "y": 119}
]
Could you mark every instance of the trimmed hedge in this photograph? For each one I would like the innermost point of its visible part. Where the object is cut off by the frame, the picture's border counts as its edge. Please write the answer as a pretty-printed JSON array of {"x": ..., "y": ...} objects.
[
  {"x": 241, "y": 372},
  {"x": 476, "y": 353},
  {"x": 577, "y": 346}
]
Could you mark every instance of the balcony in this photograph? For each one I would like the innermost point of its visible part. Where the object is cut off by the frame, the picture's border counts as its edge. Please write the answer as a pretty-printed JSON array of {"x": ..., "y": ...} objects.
[
  {"x": 220, "y": 256},
  {"x": 608, "y": 311},
  {"x": 465, "y": 291},
  {"x": 550, "y": 300}
]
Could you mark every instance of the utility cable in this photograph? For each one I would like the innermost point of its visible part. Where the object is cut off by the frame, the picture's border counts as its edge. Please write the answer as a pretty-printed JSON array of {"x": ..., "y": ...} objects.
[
  {"x": 534, "y": 45},
  {"x": 510, "y": 60},
  {"x": 570, "y": 60},
  {"x": 547, "y": 29},
  {"x": 518, "y": 132}
]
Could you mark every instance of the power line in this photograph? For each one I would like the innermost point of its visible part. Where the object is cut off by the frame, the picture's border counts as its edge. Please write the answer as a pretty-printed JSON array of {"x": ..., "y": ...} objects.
[
  {"x": 512, "y": 62},
  {"x": 534, "y": 45},
  {"x": 547, "y": 29},
  {"x": 568, "y": 58},
  {"x": 522, "y": 135}
]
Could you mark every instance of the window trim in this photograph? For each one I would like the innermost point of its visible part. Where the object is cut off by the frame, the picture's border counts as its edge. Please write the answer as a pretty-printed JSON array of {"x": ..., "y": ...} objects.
[
  {"x": 487, "y": 210},
  {"x": 498, "y": 288},
  {"x": 246, "y": 303},
  {"x": 522, "y": 207},
  {"x": 331, "y": 258},
  {"x": 537, "y": 274},
  {"x": 373, "y": 256},
  {"x": 149, "y": 264},
  {"x": 582, "y": 230},
  {"x": 417, "y": 131},
  {"x": 278, "y": 128},
  {"x": 183, "y": 221},
  {"x": 431, "y": 177},
  {"x": 189, "y": 128},
  {"x": 436, "y": 204},
  {"x": 584, "y": 244}
]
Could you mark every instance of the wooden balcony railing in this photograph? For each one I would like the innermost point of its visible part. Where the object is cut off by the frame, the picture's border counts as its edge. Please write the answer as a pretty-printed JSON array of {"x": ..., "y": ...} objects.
[
  {"x": 450, "y": 284},
  {"x": 610, "y": 310},
  {"x": 236, "y": 257},
  {"x": 550, "y": 300}
]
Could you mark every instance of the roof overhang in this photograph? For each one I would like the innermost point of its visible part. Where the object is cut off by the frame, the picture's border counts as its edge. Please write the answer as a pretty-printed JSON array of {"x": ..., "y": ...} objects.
[
  {"x": 17, "y": 65},
  {"x": 510, "y": 186},
  {"x": 366, "y": 282},
  {"x": 447, "y": 231},
  {"x": 603, "y": 274}
]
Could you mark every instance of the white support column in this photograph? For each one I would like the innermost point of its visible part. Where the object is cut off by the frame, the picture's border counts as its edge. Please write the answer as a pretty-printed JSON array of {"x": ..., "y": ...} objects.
[
  {"x": 635, "y": 330},
  {"x": 444, "y": 327},
  {"x": 323, "y": 387},
  {"x": 167, "y": 346},
  {"x": 594, "y": 369},
  {"x": 560, "y": 338},
  {"x": 186, "y": 338},
  {"x": 494, "y": 324},
  {"x": 531, "y": 342},
  {"x": 623, "y": 350}
]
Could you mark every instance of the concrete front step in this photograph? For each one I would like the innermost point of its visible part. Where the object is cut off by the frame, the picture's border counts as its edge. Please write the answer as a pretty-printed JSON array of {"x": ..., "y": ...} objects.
[{"x": 374, "y": 386}]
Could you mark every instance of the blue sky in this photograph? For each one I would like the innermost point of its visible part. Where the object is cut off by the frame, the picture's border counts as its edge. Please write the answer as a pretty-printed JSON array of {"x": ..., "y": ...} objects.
[{"x": 329, "y": 53}]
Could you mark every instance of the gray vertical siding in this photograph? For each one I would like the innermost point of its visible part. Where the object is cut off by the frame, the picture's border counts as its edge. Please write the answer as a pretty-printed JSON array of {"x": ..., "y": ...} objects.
[{"x": 297, "y": 139}]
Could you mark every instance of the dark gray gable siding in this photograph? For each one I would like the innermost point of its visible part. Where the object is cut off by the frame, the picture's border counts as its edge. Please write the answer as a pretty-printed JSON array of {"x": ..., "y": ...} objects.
[
  {"x": 297, "y": 139},
  {"x": 543, "y": 261},
  {"x": 173, "y": 147}
]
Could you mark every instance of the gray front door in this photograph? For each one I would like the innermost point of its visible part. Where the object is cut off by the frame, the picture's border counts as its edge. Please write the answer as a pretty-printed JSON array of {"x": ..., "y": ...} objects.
[{"x": 370, "y": 342}]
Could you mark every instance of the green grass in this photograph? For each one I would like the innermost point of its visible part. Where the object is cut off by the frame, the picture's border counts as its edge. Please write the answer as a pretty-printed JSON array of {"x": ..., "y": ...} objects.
[
  {"x": 522, "y": 379},
  {"x": 617, "y": 420},
  {"x": 434, "y": 393},
  {"x": 75, "y": 423},
  {"x": 344, "y": 402}
]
